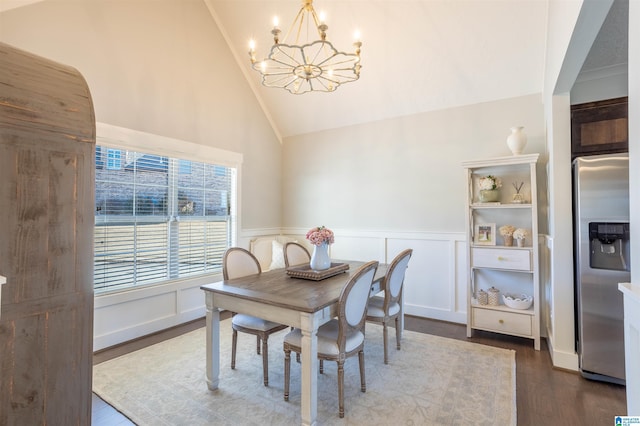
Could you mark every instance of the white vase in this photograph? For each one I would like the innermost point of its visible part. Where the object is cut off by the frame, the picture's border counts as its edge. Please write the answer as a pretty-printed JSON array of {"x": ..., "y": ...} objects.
[
  {"x": 320, "y": 259},
  {"x": 517, "y": 140}
]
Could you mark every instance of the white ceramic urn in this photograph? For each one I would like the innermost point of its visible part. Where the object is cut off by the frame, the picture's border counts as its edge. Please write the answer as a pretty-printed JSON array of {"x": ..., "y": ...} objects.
[{"x": 517, "y": 140}]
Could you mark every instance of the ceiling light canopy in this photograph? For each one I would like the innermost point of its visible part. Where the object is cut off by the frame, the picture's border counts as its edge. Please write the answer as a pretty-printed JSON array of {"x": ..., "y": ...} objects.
[{"x": 313, "y": 66}]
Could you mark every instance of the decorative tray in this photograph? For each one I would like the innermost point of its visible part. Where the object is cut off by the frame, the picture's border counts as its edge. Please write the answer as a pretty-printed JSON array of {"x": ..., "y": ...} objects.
[{"x": 305, "y": 272}]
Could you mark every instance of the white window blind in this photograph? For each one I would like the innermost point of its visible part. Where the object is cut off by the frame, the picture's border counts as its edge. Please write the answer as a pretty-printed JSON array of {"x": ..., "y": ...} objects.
[{"x": 158, "y": 218}]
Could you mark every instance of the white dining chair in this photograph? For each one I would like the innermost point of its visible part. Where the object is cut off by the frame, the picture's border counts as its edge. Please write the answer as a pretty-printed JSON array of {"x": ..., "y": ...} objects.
[
  {"x": 384, "y": 309},
  {"x": 341, "y": 337},
  {"x": 238, "y": 262}
]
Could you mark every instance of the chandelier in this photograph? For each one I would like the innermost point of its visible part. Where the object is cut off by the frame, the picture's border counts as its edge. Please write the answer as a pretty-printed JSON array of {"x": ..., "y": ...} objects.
[{"x": 314, "y": 66}]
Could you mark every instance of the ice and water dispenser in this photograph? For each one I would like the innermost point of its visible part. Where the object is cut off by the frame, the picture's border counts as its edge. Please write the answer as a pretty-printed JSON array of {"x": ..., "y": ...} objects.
[{"x": 609, "y": 246}]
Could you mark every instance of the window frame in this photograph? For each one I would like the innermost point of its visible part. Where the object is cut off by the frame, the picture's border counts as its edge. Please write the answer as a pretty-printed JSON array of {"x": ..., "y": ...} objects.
[{"x": 115, "y": 137}]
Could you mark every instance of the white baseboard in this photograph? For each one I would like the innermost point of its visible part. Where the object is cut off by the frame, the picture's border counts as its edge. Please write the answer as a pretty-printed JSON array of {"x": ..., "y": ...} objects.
[{"x": 562, "y": 359}]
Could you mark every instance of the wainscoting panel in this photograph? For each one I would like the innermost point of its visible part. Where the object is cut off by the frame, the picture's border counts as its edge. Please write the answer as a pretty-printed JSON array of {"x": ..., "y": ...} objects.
[
  {"x": 432, "y": 285},
  {"x": 127, "y": 315},
  {"x": 159, "y": 306},
  {"x": 435, "y": 284},
  {"x": 191, "y": 300}
]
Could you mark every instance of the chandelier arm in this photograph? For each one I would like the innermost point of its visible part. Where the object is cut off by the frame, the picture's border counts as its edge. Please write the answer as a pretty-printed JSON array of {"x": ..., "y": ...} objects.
[
  {"x": 274, "y": 74},
  {"x": 342, "y": 79},
  {"x": 316, "y": 21},
  {"x": 321, "y": 83},
  {"x": 290, "y": 83},
  {"x": 328, "y": 84},
  {"x": 345, "y": 61},
  {"x": 339, "y": 69},
  {"x": 329, "y": 78},
  {"x": 293, "y": 59},
  {"x": 300, "y": 17},
  {"x": 315, "y": 56},
  {"x": 283, "y": 78}
]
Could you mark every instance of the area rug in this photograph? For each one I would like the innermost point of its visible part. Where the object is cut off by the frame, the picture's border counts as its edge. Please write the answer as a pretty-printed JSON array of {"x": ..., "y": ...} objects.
[{"x": 430, "y": 381}]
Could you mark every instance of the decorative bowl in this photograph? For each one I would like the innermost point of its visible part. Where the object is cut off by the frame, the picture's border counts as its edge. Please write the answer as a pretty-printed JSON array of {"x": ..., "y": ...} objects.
[{"x": 517, "y": 301}]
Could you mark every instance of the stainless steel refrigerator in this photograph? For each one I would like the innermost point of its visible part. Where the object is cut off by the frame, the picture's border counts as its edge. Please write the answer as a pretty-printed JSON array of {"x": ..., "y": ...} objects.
[{"x": 601, "y": 258}]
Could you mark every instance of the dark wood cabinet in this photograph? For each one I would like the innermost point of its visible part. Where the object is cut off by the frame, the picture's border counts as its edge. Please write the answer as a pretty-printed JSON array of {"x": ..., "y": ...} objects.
[{"x": 599, "y": 127}]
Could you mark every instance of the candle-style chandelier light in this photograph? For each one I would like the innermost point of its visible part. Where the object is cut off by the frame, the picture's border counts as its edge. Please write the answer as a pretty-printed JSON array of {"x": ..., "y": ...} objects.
[{"x": 310, "y": 66}]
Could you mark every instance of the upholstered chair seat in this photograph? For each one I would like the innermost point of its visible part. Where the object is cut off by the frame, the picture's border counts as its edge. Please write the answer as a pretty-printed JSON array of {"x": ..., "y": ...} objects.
[
  {"x": 247, "y": 321},
  {"x": 328, "y": 338},
  {"x": 376, "y": 307}
]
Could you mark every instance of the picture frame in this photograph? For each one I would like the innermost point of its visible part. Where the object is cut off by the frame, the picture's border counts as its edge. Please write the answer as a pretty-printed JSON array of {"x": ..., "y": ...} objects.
[{"x": 485, "y": 234}]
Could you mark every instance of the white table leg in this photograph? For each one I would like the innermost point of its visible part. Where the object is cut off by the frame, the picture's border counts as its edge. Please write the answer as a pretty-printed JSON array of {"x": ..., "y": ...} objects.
[
  {"x": 213, "y": 342},
  {"x": 309, "y": 370}
]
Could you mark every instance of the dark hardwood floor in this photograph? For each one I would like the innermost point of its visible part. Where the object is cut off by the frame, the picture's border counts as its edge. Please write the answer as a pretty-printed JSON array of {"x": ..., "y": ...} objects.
[{"x": 545, "y": 395}]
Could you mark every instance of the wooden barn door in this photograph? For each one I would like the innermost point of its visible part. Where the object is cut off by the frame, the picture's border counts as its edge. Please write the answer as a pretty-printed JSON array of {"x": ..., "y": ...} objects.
[{"x": 47, "y": 144}]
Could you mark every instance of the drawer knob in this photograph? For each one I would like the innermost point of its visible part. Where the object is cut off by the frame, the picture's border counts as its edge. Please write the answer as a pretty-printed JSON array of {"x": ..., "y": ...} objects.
[
  {"x": 500, "y": 258},
  {"x": 501, "y": 321}
]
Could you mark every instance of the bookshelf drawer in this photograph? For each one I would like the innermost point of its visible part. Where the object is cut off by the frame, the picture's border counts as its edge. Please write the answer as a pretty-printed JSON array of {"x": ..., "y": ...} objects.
[
  {"x": 513, "y": 259},
  {"x": 502, "y": 321}
]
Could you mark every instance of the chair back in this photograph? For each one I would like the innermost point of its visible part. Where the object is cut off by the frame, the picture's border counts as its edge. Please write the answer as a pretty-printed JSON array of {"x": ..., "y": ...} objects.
[
  {"x": 238, "y": 262},
  {"x": 295, "y": 254},
  {"x": 353, "y": 300},
  {"x": 395, "y": 278}
]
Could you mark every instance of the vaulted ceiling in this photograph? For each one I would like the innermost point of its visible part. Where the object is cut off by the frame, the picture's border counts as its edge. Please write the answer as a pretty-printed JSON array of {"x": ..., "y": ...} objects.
[{"x": 417, "y": 55}]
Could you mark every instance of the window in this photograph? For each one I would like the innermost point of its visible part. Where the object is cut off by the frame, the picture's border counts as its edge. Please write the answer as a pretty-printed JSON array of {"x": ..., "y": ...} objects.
[
  {"x": 113, "y": 159},
  {"x": 219, "y": 170},
  {"x": 159, "y": 218},
  {"x": 185, "y": 167}
]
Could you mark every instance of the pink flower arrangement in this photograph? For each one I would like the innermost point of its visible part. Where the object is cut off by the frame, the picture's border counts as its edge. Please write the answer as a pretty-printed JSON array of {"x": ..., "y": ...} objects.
[{"x": 320, "y": 235}]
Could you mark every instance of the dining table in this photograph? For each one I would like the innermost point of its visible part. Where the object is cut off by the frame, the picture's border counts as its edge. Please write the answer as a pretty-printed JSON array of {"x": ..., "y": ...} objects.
[{"x": 278, "y": 296}]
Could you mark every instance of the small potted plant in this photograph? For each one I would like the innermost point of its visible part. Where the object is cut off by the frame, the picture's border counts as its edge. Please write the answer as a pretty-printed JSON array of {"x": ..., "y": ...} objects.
[
  {"x": 489, "y": 186},
  {"x": 520, "y": 234},
  {"x": 507, "y": 233}
]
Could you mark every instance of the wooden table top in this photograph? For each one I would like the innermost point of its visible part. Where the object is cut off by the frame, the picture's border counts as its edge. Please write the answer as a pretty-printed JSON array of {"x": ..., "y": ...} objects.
[{"x": 277, "y": 288}]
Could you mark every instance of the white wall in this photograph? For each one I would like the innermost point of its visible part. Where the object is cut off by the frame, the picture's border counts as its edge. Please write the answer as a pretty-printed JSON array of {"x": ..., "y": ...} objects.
[
  {"x": 160, "y": 67},
  {"x": 401, "y": 174},
  {"x": 559, "y": 315}
]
